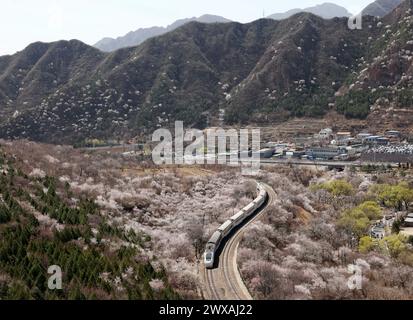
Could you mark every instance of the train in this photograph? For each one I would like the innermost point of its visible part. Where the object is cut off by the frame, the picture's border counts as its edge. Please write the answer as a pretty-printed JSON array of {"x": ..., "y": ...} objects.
[{"x": 223, "y": 231}]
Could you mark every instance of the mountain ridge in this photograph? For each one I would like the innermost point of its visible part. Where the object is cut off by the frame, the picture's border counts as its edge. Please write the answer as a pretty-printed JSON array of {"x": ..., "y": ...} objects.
[{"x": 325, "y": 10}]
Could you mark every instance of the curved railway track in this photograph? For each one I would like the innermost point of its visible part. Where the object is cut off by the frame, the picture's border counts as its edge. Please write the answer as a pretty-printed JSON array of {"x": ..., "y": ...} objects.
[{"x": 225, "y": 282}]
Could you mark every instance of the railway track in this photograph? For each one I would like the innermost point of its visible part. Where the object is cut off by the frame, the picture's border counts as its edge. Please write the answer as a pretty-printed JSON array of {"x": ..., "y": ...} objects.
[{"x": 225, "y": 282}]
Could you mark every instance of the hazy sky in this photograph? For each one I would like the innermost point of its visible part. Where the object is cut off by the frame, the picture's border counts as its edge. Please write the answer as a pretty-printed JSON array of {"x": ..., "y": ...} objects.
[{"x": 25, "y": 21}]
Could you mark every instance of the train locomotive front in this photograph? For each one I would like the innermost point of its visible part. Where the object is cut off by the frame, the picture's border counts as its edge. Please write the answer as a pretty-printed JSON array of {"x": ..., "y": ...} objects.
[{"x": 216, "y": 239}]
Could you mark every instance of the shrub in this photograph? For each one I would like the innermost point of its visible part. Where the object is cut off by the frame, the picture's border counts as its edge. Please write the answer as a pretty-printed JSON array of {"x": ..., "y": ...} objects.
[
  {"x": 372, "y": 210},
  {"x": 366, "y": 244},
  {"x": 394, "y": 196},
  {"x": 358, "y": 220},
  {"x": 336, "y": 187},
  {"x": 394, "y": 245}
]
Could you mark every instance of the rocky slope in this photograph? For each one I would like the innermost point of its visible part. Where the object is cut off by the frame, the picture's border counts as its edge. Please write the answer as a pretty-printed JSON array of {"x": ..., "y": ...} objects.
[{"x": 383, "y": 86}]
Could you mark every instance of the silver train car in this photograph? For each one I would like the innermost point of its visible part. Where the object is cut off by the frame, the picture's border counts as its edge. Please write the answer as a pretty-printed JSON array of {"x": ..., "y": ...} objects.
[{"x": 229, "y": 225}]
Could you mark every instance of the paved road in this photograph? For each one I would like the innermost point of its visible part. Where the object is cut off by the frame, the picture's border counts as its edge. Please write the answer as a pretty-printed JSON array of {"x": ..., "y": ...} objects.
[{"x": 225, "y": 282}]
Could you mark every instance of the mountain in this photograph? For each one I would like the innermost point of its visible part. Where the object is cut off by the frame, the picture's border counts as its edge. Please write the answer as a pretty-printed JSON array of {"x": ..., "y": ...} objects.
[
  {"x": 325, "y": 10},
  {"x": 380, "y": 8},
  {"x": 262, "y": 72},
  {"x": 382, "y": 89},
  {"x": 135, "y": 38}
]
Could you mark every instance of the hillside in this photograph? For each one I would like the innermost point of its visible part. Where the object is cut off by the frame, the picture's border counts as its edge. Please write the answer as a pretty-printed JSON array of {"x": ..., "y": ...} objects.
[
  {"x": 120, "y": 229},
  {"x": 135, "y": 38},
  {"x": 382, "y": 89},
  {"x": 45, "y": 222},
  {"x": 262, "y": 72}
]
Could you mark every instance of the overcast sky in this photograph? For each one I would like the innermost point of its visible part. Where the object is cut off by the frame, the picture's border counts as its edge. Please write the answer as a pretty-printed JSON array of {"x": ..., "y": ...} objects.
[{"x": 25, "y": 21}]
